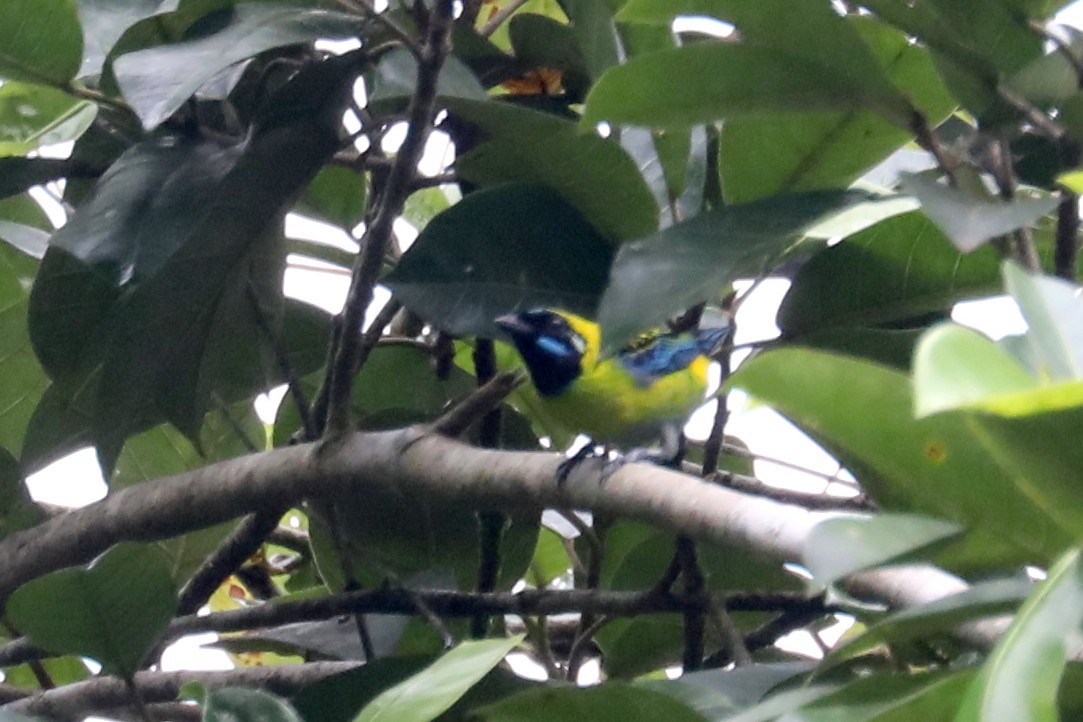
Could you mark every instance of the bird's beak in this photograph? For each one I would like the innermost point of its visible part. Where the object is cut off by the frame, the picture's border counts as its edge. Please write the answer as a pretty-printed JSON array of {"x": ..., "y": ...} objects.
[{"x": 512, "y": 325}]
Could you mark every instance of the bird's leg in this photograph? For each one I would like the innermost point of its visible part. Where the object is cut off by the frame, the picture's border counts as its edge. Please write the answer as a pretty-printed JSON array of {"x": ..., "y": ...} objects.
[{"x": 565, "y": 469}]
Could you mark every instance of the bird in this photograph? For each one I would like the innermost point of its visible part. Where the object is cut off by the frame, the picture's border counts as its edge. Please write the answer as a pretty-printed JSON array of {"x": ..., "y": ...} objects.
[{"x": 642, "y": 394}]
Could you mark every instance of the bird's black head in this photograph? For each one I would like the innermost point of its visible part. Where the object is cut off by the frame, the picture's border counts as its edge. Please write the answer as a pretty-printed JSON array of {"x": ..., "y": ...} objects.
[{"x": 551, "y": 349}]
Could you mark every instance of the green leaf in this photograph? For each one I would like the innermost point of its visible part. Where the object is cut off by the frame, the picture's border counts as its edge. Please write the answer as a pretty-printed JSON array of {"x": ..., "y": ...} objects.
[
  {"x": 837, "y": 548},
  {"x": 24, "y": 379},
  {"x": 336, "y": 195},
  {"x": 113, "y": 610},
  {"x": 338, "y": 698},
  {"x": 896, "y": 698},
  {"x": 593, "y": 27},
  {"x": 957, "y": 367},
  {"x": 969, "y": 220},
  {"x": 1050, "y": 307},
  {"x": 1019, "y": 680},
  {"x": 541, "y": 42},
  {"x": 593, "y": 174},
  {"x": 247, "y": 705},
  {"x": 157, "y": 81},
  {"x": 188, "y": 262},
  {"x": 104, "y": 22},
  {"x": 1073, "y": 181},
  {"x": 608, "y": 702},
  {"x": 983, "y": 599},
  {"x": 396, "y": 77},
  {"x": 670, "y": 271},
  {"x": 33, "y": 115},
  {"x": 717, "y": 693},
  {"x": 40, "y": 41},
  {"x": 720, "y": 81},
  {"x": 550, "y": 560},
  {"x": 18, "y": 511},
  {"x": 498, "y": 250},
  {"x": 762, "y": 155},
  {"x": 899, "y": 269},
  {"x": 939, "y": 465},
  {"x": 427, "y": 694}
]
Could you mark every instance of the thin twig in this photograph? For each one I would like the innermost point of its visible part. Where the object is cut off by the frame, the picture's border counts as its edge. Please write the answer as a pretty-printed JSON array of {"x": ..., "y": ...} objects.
[
  {"x": 579, "y": 646},
  {"x": 490, "y": 523},
  {"x": 818, "y": 502},
  {"x": 587, "y": 623},
  {"x": 1066, "y": 249},
  {"x": 244, "y": 541},
  {"x": 734, "y": 642},
  {"x": 927, "y": 138},
  {"x": 497, "y": 19},
  {"x": 695, "y": 585},
  {"x": 366, "y": 7},
  {"x": 459, "y": 418},
  {"x": 377, "y": 235}
]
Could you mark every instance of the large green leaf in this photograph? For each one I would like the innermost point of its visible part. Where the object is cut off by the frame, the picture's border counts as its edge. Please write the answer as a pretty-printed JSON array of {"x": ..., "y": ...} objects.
[
  {"x": 931, "y": 697},
  {"x": 499, "y": 250},
  {"x": 1019, "y": 680},
  {"x": 24, "y": 379},
  {"x": 723, "y": 80},
  {"x": 157, "y": 81},
  {"x": 104, "y": 21},
  {"x": 430, "y": 692},
  {"x": 663, "y": 274},
  {"x": 898, "y": 269},
  {"x": 33, "y": 115},
  {"x": 592, "y": 25},
  {"x": 863, "y": 414},
  {"x": 610, "y": 702},
  {"x": 969, "y": 219},
  {"x": 170, "y": 318},
  {"x": 112, "y": 610},
  {"x": 761, "y": 155},
  {"x": 40, "y": 41},
  {"x": 336, "y": 195},
  {"x": 593, "y": 174},
  {"x": 717, "y": 693}
]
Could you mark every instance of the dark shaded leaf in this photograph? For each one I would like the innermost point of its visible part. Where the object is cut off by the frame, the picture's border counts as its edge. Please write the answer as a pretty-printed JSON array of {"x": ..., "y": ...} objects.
[
  {"x": 336, "y": 195},
  {"x": 18, "y": 511},
  {"x": 112, "y": 610},
  {"x": 610, "y": 702},
  {"x": 104, "y": 22},
  {"x": 157, "y": 81},
  {"x": 670, "y": 271},
  {"x": 499, "y": 250},
  {"x": 593, "y": 174},
  {"x": 719, "y": 692},
  {"x": 247, "y": 705}
]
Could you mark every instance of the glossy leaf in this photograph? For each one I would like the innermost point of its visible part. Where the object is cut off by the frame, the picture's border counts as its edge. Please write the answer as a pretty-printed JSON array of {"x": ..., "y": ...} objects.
[
  {"x": 717, "y": 84},
  {"x": 983, "y": 599},
  {"x": 104, "y": 22},
  {"x": 762, "y": 155},
  {"x": 338, "y": 698},
  {"x": 396, "y": 75},
  {"x": 898, "y": 698},
  {"x": 32, "y": 116},
  {"x": 836, "y": 548},
  {"x": 157, "y": 81},
  {"x": 500, "y": 250},
  {"x": 939, "y": 465},
  {"x": 113, "y": 610},
  {"x": 956, "y": 367},
  {"x": 968, "y": 219},
  {"x": 1019, "y": 680},
  {"x": 1049, "y": 306},
  {"x": 40, "y": 41},
  {"x": 670, "y": 271},
  {"x": 593, "y": 174},
  {"x": 427, "y": 694},
  {"x": 901, "y": 268},
  {"x": 592, "y": 25},
  {"x": 718, "y": 693}
]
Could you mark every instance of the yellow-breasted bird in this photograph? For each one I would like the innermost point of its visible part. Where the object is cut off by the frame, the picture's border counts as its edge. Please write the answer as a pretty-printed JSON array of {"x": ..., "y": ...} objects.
[{"x": 642, "y": 394}]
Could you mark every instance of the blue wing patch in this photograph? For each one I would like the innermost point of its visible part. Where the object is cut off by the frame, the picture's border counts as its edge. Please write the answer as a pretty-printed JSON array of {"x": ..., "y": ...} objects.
[{"x": 665, "y": 356}]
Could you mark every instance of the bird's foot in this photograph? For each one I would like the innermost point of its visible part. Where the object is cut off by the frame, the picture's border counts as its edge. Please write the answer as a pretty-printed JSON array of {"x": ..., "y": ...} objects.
[{"x": 568, "y": 465}]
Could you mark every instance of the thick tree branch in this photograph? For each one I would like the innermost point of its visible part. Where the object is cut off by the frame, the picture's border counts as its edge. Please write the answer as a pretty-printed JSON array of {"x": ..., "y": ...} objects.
[
  {"x": 416, "y": 461},
  {"x": 75, "y": 701}
]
